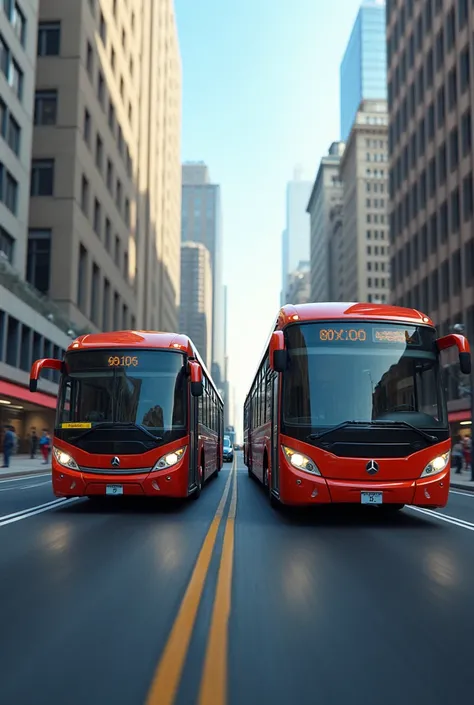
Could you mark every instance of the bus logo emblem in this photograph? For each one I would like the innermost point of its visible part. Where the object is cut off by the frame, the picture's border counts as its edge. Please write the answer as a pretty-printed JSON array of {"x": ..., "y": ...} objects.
[
  {"x": 372, "y": 467},
  {"x": 115, "y": 462}
]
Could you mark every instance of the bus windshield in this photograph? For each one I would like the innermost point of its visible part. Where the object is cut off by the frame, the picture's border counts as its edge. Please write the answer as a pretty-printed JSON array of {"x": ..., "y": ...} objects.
[
  {"x": 362, "y": 372},
  {"x": 143, "y": 387}
]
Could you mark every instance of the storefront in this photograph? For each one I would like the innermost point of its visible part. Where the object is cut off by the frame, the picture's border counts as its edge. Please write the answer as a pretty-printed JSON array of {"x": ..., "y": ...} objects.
[
  {"x": 460, "y": 422},
  {"x": 25, "y": 412}
]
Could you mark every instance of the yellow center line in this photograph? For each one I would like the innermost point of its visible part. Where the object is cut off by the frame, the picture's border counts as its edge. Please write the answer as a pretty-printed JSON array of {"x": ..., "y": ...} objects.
[
  {"x": 167, "y": 676},
  {"x": 213, "y": 689}
]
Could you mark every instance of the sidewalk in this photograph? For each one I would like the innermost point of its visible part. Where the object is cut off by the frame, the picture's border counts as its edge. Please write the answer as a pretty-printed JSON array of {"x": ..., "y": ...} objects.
[
  {"x": 462, "y": 481},
  {"x": 23, "y": 465}
]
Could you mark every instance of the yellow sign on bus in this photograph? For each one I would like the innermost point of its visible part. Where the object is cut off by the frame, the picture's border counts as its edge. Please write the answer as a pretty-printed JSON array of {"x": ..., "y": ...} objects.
[{"x": 76, "y": 425}]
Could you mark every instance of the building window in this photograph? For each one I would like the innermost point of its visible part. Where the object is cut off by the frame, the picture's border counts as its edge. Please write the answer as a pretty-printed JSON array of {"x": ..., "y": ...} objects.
[
  {"x": 99, "y": 153},
  {"x": 118, "y": 195},
  {"x": 15, "y": 79},
  {"x": 85, "y": 196},
  {"x": 90, "y": 60},
  {"x": 108, "y": 234},
  {"x": 42, "y": 177},
  {"x": 103, "y": 29},
  {"x": 110, "y": 175},
  {"x": 38, "y": 266},
  {"x": 82, "y": 278},
  {"x": 46, "y": 107},
  {"x": 18, "y": 21},
  {"x": 100, "y": 88},
  {"x": 7, "y": 244},
  {"x": 49, "y": 38},
  {"x": 97, "y": 217},
  {"x": 13, "y": 135},
  {"x": 87, "y": 127},
  {"x": 95, "y": 289},
  {"x": 8, "y": 189}
]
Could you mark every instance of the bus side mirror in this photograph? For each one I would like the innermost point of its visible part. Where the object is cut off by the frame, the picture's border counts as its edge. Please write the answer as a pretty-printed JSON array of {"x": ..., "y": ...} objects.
[
  {"x": 278, "y": 352},
  {"x": 462, "y": 344},
  {"x": 45, "y": 363},
  {"x": 196, "y": 379}
]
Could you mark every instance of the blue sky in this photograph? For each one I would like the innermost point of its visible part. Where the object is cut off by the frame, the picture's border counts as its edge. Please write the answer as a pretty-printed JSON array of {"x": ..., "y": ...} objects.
[{"x": 260, "y": 95}]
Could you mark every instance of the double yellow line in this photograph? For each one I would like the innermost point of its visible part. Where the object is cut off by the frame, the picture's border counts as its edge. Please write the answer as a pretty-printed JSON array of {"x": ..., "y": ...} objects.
[{"x": 213, "y": 689}]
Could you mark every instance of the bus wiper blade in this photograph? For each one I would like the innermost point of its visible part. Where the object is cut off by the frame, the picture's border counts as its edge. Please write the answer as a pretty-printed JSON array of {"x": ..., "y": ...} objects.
[
  {"x": 120, "y": 424},
  {"x": 344, "y": 424},
  {"x": 405, "y": 424}
]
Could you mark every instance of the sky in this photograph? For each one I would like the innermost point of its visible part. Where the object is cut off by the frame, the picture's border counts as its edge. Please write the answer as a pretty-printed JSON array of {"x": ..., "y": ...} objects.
[{"x": 260, "y": 95}]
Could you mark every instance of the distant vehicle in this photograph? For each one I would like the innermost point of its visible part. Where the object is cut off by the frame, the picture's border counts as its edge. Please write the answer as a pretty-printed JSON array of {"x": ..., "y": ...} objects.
[
  {"x": 228, "y": 450},
  {"x": 348, "y": 406},
  {"x": 137, "y": 414}
]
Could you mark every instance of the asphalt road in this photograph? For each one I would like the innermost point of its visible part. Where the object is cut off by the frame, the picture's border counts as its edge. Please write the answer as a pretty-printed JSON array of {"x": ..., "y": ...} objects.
[{"x": 225, "y": 601}]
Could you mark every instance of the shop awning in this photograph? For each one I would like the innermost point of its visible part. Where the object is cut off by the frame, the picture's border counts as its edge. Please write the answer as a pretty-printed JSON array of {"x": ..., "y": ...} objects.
[
  {"x": 17, "y": 392},
  {"x": 463, "y": 415}
]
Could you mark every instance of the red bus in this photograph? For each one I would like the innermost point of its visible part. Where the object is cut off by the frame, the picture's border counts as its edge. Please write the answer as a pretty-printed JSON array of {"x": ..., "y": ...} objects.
[
  {"x": 348, "y": 406},
  {"x": 137, "y": 414}
]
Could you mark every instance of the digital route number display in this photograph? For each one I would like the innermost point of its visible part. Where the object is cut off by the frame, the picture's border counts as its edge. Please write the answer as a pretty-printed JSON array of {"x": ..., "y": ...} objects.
[
  {"x": 346, "y": 334},
  {"x": 122, "y": 361}
]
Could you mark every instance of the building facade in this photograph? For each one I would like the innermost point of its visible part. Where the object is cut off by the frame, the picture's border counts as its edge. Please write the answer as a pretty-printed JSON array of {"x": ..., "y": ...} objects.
[
  {"x": 104, "y": 239},
  {"x": 364, "y": 242},
  {"x": 195, "y": 313},
  {"x": 325, "y": 194},
  {"x": 296, "y": 236},
  {"x": 299, "y": 285},
  {"x": 201, "y": 221},
  {"x": 363, "y": 71},
  {"x": 30, "y": 326},
  {"x": 431, "y": 103}
]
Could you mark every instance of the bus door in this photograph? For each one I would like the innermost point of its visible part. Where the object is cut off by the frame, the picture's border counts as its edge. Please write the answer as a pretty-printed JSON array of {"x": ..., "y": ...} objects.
[
  {"x": 194, "y": 441},
  {"x": 275, "y": 475}
]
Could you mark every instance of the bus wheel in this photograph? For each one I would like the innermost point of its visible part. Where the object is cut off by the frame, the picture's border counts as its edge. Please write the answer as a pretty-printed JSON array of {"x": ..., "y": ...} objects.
[{"x": 197, "y": 491}]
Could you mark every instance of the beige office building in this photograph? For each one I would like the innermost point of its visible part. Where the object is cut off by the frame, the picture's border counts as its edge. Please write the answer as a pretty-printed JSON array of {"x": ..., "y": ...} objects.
[
  {"x": 195, "y": 314},
  {"x": 364, "y": 251},
  {"x": 104, "y": 238}
]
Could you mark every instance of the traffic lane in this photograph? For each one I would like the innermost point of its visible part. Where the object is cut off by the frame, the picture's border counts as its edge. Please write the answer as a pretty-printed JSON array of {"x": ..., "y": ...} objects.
[
  {"x": 341, "y": 606},
  {"x": 460, "y": 505},
  {"x": 21, "y": 493},
  {"x": 95, "y": 591}
]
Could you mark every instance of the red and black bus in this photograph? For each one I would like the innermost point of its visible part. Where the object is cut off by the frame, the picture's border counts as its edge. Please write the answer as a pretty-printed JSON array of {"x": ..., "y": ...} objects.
[
  {"x": 348, "y": 406},
  {"x": 137, "y": 414}
]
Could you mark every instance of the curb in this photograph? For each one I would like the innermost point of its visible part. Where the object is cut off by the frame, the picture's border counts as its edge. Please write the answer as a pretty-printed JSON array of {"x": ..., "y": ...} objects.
[
  {"x": 458, "y": 486},
  {"x": 25, "y": 473}
]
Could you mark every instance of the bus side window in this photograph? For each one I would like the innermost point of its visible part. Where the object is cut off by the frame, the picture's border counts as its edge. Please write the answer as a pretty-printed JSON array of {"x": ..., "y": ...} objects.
[{"x": 65, "y": 416}]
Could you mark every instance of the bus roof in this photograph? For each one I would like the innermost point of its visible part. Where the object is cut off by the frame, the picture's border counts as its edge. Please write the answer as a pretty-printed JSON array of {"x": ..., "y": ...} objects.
[
  {"x": 340, "y": 310},
  {"x": 146, "y": 339}
]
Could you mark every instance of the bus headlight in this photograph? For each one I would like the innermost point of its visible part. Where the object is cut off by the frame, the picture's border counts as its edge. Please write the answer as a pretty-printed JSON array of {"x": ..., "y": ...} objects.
[
  {"x": 64, "y": 459},
  {"x": 437, "y": 465},
  {"x": 170, "y": 459},
  {"x": 300, "y": 461}
]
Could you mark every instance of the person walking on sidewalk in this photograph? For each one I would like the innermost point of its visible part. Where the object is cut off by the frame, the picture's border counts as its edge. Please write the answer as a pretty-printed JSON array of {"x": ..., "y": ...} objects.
[
  {"x": 458, "y": 456},
  {"x": 45, "y": 445},
  {"x": 9, "y": 442},
  {"x": 33, "y": 444}
]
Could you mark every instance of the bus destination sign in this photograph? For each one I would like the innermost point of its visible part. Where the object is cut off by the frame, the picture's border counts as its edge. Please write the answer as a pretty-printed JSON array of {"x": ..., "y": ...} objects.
[{"x": 351, "y": 334}]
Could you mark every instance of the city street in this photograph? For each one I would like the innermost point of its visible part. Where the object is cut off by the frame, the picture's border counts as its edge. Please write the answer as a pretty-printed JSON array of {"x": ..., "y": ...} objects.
[{"x": 325, "y": 606}]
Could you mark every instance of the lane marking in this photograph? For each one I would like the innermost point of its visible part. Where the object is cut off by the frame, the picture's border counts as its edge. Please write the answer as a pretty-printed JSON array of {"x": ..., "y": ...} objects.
[
  {"x": 463, "y": 494},
  {"x": 213, "y": 690},
  {"x": 27, "y": 513},
  {"x": 167, "y": 676},
  {"x": 445, "y": 517},
  {"x": 18, "y": 478},
  {"x": 23, "y": 487}
]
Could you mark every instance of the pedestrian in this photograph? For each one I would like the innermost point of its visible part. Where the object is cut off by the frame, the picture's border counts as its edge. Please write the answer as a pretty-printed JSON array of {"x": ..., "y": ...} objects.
[
  {"x": 45, "y": 445},
  {"x": 9, "y": 440},
  {"x": 458, "y": 455},
  {"x": 33, "y": 444}
]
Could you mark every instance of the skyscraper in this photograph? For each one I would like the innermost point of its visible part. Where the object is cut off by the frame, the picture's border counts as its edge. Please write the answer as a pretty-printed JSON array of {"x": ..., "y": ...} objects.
[
  {"x": 195, "y": 313},
  {"x": 364, "y": 245},
  {"x": 296, "y": 236},
  {"x": 325, "y": 194},
  {"x": 431, "y": 104},
  {"x": 30, "y": 325},
  {"x": 201, "y": 222},
  {"x": 363, "y": 72},
  {"x": 105, "y": 188}
]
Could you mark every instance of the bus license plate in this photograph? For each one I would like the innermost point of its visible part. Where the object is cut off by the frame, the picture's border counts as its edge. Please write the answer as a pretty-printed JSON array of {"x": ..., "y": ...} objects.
[
  {"x": 114, "y": 489},
  {"x": 371, "y": 497}
]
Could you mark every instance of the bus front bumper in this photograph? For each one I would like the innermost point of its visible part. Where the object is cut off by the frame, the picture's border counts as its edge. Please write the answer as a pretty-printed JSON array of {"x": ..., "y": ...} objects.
[{"x": 300, "y": 488}]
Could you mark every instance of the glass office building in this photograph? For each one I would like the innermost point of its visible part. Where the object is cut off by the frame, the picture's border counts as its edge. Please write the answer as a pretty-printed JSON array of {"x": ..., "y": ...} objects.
[{"x": 363, "y": 73}]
